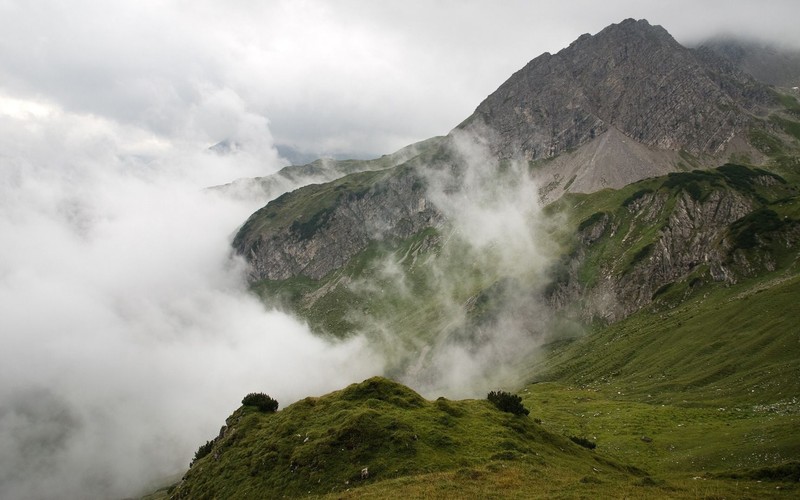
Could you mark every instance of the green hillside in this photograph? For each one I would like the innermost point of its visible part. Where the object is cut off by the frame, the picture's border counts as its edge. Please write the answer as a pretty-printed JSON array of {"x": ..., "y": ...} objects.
[
  {"x": 381, "y": 434},
  {"x": 709, "y": 386}
]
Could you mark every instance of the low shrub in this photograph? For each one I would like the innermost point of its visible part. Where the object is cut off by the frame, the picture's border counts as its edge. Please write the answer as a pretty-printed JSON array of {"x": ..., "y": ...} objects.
[
  {"x": 204, "y": 450},
  {"x": 582, "y": 441},
  {"x": 261, "y": 401},
  {"x": 505, "y": 401}
]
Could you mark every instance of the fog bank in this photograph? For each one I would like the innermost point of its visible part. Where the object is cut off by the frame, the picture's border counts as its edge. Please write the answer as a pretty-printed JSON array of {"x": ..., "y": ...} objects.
[{"x": 128, "y": 334}]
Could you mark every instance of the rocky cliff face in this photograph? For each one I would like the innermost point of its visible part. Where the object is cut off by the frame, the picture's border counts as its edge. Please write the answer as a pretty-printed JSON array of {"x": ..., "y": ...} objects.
[
  {"x": 326, "y": 238},
  {"x": 709, "y": 229},
  {"x": 631, "y": 76}
]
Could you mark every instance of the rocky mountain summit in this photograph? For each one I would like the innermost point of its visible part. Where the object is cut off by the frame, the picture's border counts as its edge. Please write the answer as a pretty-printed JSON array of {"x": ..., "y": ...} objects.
[{"x": 631, "y": 76}]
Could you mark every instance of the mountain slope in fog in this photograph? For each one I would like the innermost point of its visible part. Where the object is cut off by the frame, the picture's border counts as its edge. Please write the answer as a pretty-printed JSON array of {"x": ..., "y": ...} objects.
[
  {"x": 768, "y": 63},
  {"x": 626, "y": 104},
  {"x": 610, "y": 223}
]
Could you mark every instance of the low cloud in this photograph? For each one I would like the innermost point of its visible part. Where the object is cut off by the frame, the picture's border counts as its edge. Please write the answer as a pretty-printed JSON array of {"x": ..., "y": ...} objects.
[
  {"x": 128, "y": 330},
  {"x": 481, "y": 295}
]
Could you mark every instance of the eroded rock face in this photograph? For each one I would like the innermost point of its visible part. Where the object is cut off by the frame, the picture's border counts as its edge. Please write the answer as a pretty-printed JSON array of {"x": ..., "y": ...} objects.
[
  {"x": 693, "y": 235},
  {"x": 393, "y": 208},
  {"x": 632, "y": 76}
]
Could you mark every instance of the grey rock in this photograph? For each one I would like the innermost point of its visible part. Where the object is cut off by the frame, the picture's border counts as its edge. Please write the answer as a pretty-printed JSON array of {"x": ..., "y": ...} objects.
[
  {"x": 393, "y": 208},
  {"x": 631, "y": 76}
]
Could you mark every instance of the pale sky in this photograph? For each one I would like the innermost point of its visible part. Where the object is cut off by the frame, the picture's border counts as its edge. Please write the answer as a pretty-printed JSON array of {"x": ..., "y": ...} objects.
[{"x": 359, "y": 76}]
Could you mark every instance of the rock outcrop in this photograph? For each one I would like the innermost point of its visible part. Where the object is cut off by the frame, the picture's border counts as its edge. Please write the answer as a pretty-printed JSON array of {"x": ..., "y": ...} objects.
[
  {"x": 699, "y": 238},
  {"x": 314, "y": 244}
]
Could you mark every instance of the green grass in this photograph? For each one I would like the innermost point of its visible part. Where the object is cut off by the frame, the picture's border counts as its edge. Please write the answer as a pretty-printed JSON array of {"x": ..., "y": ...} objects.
[
  {"x": 789, "y": 102},
  {"x": 712, "y": 384},
  {"x": 321, "y": 445},
  {"x": 766, "y": 142}
]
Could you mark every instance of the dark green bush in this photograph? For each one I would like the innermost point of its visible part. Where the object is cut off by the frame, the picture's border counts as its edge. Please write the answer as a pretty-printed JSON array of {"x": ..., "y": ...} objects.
[
  {"x": 505, "y": 401},
  {"x": 643, "y": 253},
  {"x": 591, "y": 220},
  {"x": 261, "y": 401},
  {"x": 582, "y": 441},
  {"x": 746, "y": 230},
  {"x": 204, "y": 450},
  {"x": 635, "y": 196}
]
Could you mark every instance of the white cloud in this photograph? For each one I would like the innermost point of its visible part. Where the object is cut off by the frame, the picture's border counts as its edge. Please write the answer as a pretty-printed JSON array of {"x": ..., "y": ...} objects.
[
  {"x": 352, "y": 75},
  {"x": 128, "y": 333}
]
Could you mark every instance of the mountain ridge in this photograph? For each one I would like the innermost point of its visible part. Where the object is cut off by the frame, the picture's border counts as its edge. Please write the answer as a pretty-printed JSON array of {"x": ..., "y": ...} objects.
[{"x": 617, "y": 134}]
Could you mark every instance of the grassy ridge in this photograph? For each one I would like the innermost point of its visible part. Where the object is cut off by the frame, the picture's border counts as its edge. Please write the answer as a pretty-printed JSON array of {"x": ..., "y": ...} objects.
[{"x": 323, "y": 445}]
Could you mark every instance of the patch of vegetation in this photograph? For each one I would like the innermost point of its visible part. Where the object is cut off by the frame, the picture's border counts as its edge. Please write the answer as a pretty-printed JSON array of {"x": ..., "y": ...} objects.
[
  {"x": 642, "y": 254},
  {"x": 789, "y": 126},
  {"x": 744, "y": 178},
  {"x": 746, "y": 231},
  {"x": 692, "y": 182},
  {"x": 306, "y": 229},
  {"x": 789, "y": 102},
  {"x": 507, "y": 402},
  {"x": 662, "y": 290},
  {"x": 582, "y": 441},
  {"x": 201, "y": 452},
  {"x": 766, "y": 142},
  {"x": 789, "y": 471},
  {"x": 261, "y": 401},
  {"x": 591, "y": 220},
  {"x": 630, "y": 200}
]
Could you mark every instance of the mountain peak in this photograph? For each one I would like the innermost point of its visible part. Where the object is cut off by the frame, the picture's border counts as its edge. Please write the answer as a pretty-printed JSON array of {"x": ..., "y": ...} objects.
[{"x": 631, "y": 76}]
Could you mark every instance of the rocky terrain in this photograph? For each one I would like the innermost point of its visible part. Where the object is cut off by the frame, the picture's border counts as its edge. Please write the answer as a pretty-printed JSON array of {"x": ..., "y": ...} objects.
[
  {"x": 631, "y": 76},
  {"x": 674, "y": 234}
]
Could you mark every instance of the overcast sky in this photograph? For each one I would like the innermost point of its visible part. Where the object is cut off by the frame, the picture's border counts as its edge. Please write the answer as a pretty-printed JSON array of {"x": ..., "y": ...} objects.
[
  {"x": 357, "y": 76},
  {"x": 127, "y": 333}
]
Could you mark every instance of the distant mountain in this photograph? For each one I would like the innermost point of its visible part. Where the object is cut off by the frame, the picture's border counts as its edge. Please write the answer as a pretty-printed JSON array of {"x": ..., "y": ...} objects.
[
  {"x": 318, "y": 171},
  {"x": 299, "y": 157},
  {"x": 766, "y": 62}
]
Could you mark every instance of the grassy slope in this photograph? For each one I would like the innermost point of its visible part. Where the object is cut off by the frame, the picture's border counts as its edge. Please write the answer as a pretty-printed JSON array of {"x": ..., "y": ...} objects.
[
  {"x": 320, "y": 445},
  {"x": 712, "y": 385}
]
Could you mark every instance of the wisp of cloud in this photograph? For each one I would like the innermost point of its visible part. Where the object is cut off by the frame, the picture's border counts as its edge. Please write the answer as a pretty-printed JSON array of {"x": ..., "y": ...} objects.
[{"x": 128, "y": 333}]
